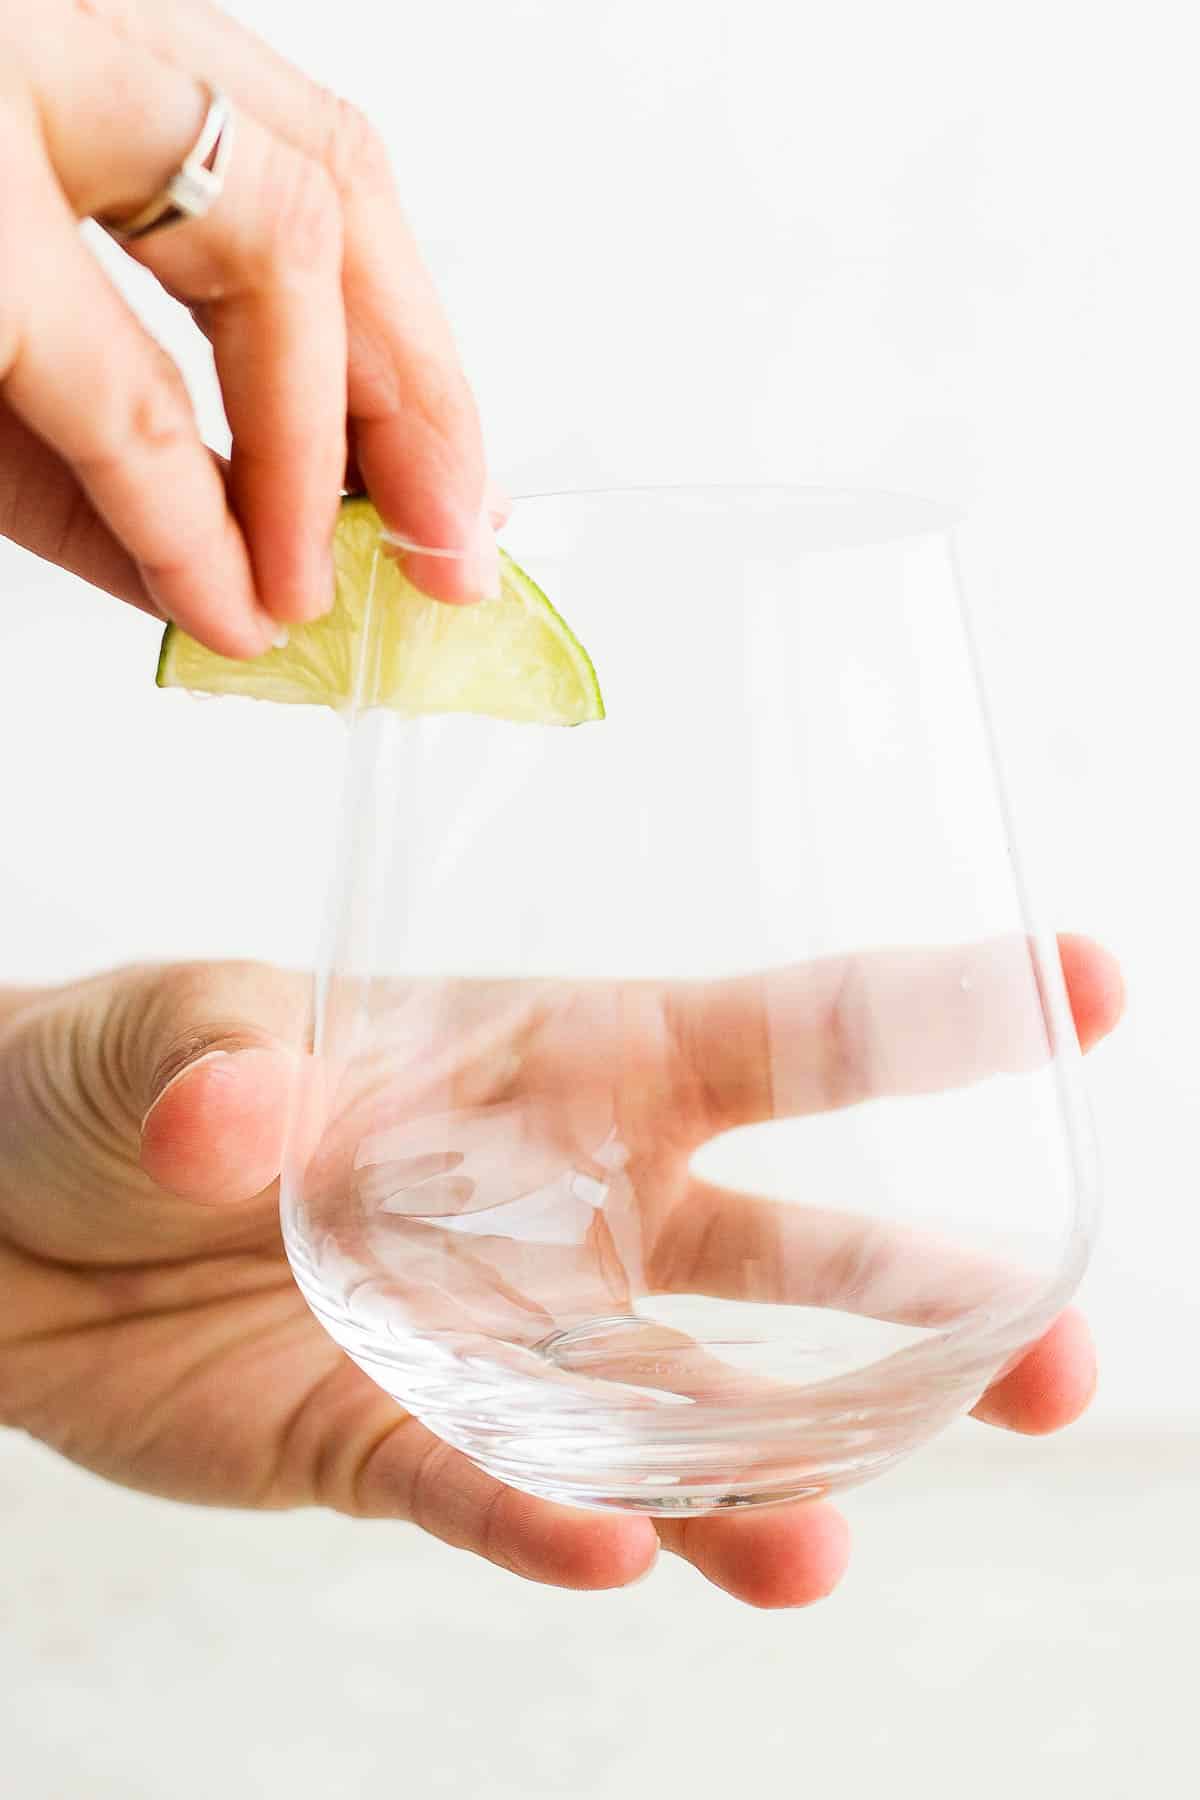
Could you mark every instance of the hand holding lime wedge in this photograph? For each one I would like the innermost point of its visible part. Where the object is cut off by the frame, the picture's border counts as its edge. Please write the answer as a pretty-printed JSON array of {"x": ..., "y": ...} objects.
[{"x": 386, "y": 644}]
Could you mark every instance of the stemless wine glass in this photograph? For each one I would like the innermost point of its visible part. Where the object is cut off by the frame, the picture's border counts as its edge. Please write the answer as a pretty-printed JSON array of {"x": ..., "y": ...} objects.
[{"x": 696, "y": 1115}]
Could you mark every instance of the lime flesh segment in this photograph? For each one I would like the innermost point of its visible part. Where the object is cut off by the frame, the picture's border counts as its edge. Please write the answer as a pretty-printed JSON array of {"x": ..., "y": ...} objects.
[{"x": 385, "y": 644}]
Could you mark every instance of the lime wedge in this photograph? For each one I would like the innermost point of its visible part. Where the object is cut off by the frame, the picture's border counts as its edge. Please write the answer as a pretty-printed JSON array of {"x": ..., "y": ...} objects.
[{"x": 386, "y": 644}]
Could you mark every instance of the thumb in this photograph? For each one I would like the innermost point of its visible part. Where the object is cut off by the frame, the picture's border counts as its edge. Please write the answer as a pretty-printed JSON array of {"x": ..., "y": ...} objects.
[{"x": 218, "y": 1050}]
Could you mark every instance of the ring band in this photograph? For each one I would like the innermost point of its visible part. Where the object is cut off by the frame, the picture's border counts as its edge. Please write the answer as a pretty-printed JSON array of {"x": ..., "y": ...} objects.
[{"x": 196, "y": 184}]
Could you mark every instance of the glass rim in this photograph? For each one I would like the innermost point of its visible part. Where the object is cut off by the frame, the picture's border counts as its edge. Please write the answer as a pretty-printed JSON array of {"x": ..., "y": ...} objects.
[{"x": 928, "y": 516}]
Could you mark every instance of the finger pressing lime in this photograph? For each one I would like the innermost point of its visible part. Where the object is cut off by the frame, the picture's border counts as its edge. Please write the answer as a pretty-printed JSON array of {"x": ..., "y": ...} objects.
[{"x": 386, "y": 644}]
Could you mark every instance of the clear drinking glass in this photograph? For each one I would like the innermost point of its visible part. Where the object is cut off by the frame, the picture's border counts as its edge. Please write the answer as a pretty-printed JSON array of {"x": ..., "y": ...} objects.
[{"x": 695, "y": 1115}]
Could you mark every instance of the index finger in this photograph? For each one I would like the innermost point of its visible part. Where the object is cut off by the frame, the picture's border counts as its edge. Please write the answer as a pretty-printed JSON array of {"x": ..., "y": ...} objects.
[{"x": 840, "y": 1030}]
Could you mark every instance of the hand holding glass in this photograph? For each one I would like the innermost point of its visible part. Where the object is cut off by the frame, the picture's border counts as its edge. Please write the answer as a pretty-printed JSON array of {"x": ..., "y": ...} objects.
[{"x": 695, "y": 1115}]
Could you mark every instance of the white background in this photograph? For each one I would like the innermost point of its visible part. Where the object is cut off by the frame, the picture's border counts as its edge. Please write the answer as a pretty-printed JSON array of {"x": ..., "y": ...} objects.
[{"x": 940, "y": 247}]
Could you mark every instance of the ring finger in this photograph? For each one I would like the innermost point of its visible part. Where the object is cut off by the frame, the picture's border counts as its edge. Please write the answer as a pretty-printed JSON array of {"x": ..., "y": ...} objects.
[{"x": 263, "y": 270}]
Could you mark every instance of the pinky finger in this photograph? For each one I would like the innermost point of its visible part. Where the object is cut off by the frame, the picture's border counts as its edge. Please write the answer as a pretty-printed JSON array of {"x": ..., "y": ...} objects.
[
  {"x": 44, "y": 509},
  {"x": 1051, "y": 1386},
  {"x": 781, "y": 1556}
]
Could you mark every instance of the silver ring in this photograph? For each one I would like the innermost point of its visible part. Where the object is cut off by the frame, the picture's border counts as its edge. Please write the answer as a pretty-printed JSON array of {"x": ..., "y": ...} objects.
[{"x": 195, "y": 185}]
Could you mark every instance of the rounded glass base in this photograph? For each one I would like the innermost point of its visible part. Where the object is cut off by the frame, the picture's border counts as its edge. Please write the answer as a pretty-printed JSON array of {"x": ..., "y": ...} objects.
[{"x": 576, "y": 1420}]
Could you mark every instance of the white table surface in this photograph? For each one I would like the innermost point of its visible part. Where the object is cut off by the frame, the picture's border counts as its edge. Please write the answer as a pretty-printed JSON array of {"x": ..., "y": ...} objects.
[{"x": 1018, "y": 1620}]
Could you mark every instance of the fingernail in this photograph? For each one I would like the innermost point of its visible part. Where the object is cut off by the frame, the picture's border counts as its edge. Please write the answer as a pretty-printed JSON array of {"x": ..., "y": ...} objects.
[
  {"x": 497, "y": 504},
  {"x": 483, "y": 564},
  {"x": 319, "y": 603},
  {"x": 275, "y": 634},
  {"x": 161, "y": 608},
  {"x": 645, "y": 1574},
  {"x": 328, "y": 584},
  {"x": 208, "y": 1057},
  {"x": 268, "y": 634}
]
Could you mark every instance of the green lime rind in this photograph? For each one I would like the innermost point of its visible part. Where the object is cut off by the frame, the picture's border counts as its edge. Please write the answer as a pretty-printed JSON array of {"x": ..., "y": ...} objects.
[{"x": 513, "y": 658}]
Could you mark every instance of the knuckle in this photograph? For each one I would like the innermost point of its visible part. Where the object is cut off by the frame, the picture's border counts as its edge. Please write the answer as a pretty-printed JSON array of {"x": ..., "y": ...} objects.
[
  {"x": 425, "y": 1492},
  {"x": 168, "y": 998},
  {"x": 450, "y": 407},
  {"x": 357, "y": 1484},
  {"x": 352, "y": 150},
  {"x": 181, "y": 1011},
  {"x": 115, "y": 13},
  {"x": 160, "y": 413},
  {"x": 850, "y": 1272},
  {"x": 176, "y": 1015},
  {"x": 304, "y": 221},
  {"x": 846, "y": 1048},
  {"x": 148, "y": 420}
]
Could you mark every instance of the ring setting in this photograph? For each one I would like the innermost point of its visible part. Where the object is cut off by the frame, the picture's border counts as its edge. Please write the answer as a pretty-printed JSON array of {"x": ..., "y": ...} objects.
[{"x": 195, "y": 185}]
